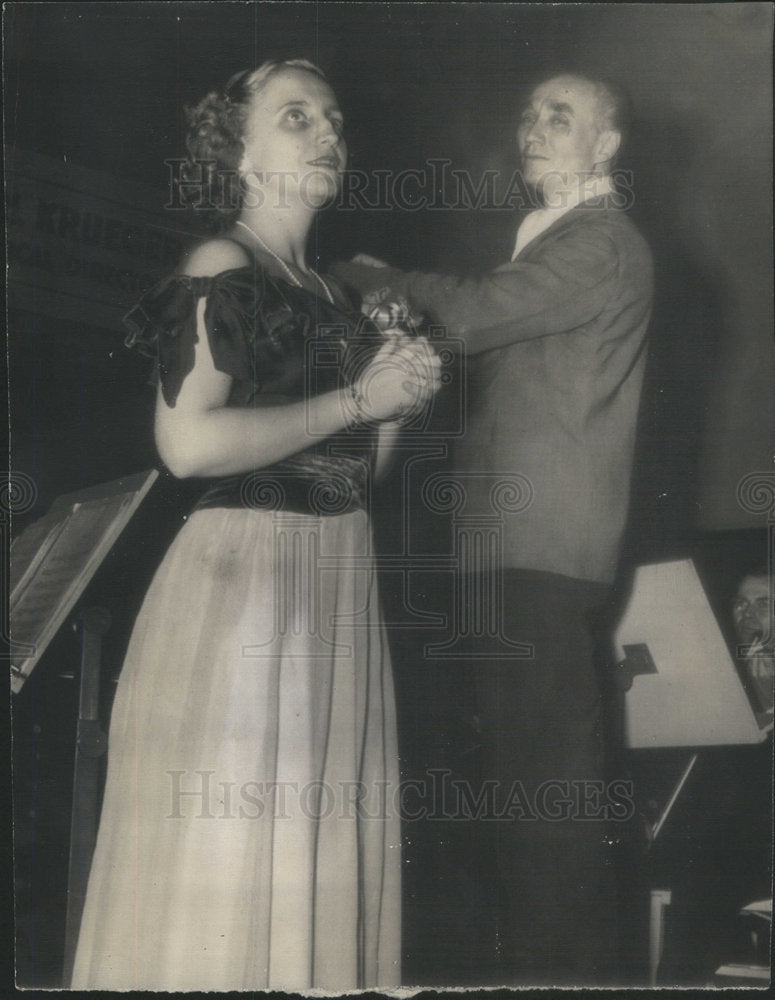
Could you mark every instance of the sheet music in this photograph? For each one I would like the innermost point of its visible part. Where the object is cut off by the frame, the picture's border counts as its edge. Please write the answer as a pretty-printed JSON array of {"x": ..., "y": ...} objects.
[{"x": 54, "y": 559}]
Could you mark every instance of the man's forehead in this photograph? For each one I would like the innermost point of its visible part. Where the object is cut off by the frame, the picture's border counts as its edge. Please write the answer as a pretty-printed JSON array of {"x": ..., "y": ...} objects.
[
  {"x": 576, "y": 93},
  {"x": 753, "y": 586}
]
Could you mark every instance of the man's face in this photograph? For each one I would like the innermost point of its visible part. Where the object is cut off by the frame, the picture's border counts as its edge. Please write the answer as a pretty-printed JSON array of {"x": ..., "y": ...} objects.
[
  {"x": 559, "y": 134},
  {"x": 752, "y": 611}
]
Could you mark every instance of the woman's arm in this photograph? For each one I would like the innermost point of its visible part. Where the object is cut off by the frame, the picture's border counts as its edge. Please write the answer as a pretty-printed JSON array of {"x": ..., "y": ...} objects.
[
  {"x": 202, "y": 436},
  {"x": 387, "y": 439}
]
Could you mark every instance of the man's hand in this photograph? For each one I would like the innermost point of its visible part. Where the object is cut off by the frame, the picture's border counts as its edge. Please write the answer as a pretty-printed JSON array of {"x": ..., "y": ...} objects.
[
  {"x": 364, "y": 258},
  {"x": 363, "y": 274},
  {"x": 760, "y": 665},
  {"x": 761, "y": 661}
]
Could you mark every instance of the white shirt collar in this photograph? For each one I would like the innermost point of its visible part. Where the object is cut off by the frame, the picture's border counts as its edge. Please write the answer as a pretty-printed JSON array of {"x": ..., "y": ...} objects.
[{"x": 561, "y": 202}]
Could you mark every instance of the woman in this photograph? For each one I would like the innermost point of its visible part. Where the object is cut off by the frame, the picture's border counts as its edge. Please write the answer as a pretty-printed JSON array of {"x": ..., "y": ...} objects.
[{"x": 248, "y": 837}]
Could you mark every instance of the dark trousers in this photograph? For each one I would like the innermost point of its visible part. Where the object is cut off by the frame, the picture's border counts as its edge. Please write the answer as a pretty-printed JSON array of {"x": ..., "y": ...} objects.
[{"x": 544, "y": 842}]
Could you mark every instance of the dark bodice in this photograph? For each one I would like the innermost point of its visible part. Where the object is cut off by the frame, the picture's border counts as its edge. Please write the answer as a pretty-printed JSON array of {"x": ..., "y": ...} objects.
[{"x": 279, "y": 344}]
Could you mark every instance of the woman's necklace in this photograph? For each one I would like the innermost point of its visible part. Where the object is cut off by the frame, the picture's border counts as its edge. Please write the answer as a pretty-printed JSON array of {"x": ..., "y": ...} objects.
[{"x": 291, "y": 276}]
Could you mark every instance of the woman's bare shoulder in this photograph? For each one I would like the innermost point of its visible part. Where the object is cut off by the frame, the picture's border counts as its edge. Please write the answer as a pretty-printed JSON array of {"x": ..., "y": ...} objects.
[{"x": 212, "y": 257}]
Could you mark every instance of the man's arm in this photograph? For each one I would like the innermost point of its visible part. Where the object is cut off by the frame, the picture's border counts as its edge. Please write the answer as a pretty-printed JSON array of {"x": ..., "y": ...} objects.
[{"x": 567, "y": 285}]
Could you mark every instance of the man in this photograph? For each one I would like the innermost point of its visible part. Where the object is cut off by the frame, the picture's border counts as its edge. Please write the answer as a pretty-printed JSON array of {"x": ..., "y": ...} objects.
[
  {"x": 752, "y": 613},
  {"x": 556, "y": 345}
]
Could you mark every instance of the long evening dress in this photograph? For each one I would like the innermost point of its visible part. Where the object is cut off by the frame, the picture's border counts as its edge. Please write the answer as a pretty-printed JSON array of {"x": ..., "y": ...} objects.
[{"x": 249, "y": 836}]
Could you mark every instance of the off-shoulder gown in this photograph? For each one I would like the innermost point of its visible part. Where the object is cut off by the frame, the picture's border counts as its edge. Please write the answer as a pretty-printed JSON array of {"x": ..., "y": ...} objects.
[{"x": 249, "y": 836}]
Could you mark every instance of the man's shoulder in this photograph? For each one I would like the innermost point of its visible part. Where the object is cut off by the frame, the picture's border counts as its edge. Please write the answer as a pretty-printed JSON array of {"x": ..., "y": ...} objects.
[
  {"x": 607, "y": 215},
  {"x": 638, "y": 249},
  {"x": 606, "y": 223}
]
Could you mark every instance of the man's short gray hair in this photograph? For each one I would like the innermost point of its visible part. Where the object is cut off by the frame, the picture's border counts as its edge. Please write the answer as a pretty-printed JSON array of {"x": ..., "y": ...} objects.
[{"x": 613, "y": 104}]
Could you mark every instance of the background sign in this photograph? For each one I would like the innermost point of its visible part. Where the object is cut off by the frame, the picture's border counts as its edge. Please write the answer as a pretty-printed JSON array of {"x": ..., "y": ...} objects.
[{"x": 83, "y": 245}]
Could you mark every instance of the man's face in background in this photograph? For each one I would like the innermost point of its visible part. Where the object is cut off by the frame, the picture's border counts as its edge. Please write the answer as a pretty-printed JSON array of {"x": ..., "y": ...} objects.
[{"x": 752, "y": 610}]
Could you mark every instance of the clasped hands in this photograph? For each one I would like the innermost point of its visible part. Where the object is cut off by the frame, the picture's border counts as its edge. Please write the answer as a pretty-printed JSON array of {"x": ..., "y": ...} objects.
[
  {"x": 405, "y": 373},
  {"x": 399, "y": 381}
]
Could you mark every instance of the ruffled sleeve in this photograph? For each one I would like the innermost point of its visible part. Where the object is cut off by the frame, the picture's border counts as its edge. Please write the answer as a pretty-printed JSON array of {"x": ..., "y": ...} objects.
[{"x": 164, "y": 323}]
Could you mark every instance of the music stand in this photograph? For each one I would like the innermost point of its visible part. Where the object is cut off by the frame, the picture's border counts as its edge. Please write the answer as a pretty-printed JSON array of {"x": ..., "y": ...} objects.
[
  {"x": 686, "y": 691},
  {"x": 52, "y": 563}
]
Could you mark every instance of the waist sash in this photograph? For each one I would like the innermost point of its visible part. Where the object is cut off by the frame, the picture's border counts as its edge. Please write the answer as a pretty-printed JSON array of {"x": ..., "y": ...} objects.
[{"x": 308, "y": 483}]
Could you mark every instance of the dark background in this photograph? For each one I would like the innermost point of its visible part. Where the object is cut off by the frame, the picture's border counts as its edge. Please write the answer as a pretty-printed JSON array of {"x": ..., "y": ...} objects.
[{"x": 102, "y": 86}]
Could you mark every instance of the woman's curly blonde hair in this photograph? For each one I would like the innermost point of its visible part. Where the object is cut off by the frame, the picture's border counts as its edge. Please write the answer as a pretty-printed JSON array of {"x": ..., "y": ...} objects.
[{"x": 214, "y": 141}]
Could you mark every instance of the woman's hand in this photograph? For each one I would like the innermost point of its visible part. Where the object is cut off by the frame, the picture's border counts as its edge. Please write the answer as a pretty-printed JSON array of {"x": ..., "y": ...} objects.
[{"x": 400, "y": 380}]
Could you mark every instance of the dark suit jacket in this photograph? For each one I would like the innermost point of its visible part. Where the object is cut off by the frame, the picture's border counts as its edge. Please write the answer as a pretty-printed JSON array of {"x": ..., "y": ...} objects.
[{"x": 556, "y": 345}]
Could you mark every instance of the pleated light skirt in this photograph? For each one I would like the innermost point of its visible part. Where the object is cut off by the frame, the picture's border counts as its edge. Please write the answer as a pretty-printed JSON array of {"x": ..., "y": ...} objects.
[{"x": 249, "y": 836}]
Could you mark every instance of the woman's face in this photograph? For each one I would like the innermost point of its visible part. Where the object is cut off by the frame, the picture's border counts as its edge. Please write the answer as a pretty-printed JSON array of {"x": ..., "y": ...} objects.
[{"x": 293, "y": 141}]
